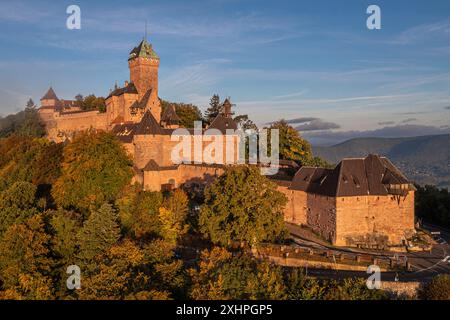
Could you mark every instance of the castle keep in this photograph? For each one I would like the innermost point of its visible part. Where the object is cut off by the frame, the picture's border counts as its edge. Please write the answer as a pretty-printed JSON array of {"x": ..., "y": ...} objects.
[{"x": 359, "y": 202}]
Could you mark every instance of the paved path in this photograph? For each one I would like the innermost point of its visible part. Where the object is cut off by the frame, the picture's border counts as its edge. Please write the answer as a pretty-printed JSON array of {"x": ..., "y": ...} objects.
[{"x": 424, "y": 265}]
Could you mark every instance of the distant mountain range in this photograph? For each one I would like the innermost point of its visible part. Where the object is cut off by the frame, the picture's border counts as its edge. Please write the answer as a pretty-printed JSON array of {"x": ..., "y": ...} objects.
[{"x": 424, "y": 160}]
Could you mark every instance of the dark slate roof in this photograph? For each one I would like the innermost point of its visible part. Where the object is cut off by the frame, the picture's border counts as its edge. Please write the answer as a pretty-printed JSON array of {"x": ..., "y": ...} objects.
[
  {"x": 148, "y": 125},
  {"x": 125, "y": 132},
  {"x": 144, "y": 49},
  {"x": 153, "y": 166},
  {"x": 50, "y": 95},
  {"x": 130, "y": 88},
  {"x": 372, "y": 175},
  {"x": 223, "y": 123},
  {"x": 170, "y": 115}
]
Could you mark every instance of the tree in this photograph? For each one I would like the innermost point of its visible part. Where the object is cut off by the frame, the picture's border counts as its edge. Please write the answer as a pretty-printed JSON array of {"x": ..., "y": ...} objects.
[
  {"x": 95, "y": 169},
  {"x": 437, "y": 289},
  {"x": 433, "y": 205},
  {"x": 221, "y": 275},
  {"x": 242, "y": 205},
  {"x": 245, "y": 123},
  {"x": 29, "y": 159},
  {"x": 100, "y": 231},
  {"x": 173, "y": 216},
  {"x": 300, "y": 287},
  {"x": 25, "y": 265},
  {"x": 139, "y": 214},
  {"x": 91, "y": 102},
  {"x": 128, "y": 271},
  {"x": 17, "y": 204},
  {"x": 352, "y": 289},
  {"x": 268, "y": 283},
  {"x": 63, "y": 226},
  {"x": 188, "y": 113},
  {"x": 26, "y": 122},
  {"x": 214, "y": 109},
  {"x": 292, "y": 146},
  {"x": 31, "y": 125}
]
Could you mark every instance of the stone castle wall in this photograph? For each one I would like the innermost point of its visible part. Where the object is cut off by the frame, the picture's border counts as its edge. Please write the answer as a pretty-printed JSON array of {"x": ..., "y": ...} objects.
[
  {"x": 295, "y": 210},
  {"x": 59, "y": 126},
  {"x": 391, "y": 217},
  {"x": 183, "y": 174},
  {"x": 350, "y": 221}
]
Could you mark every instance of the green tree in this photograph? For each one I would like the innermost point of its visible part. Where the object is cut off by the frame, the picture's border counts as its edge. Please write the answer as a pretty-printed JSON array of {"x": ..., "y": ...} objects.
[
  {"x": 173, "y": 216},
  {"x": 100, "y": 231},
  {"x": 188, "y": 113},
  {"x": 25, "y": 265},
  {"x": 31, "y": 125},
  {"x": 221, "y": 275},
  {"x": 95, "y": 169},
  {"x": 128, "y": 271},
  {"x": 17, "y": 204},
  {"x": 352, "y": 289},
  {"x": 433, "y": 205},
  {"x": 242, "y": 205},
  {"x": 91, "y": 102},
  {"x": 25, "y": 158},
  {"x": 214, "y": 109},
  {"x": 437, "y": 289},
  {"x": 26, "y": 122},
  {"x": 300, "y": 287},
  {"x": 292, "y": 146},
  {"x": 245, "y": 123},
  {"x": 139, "y": 213}
]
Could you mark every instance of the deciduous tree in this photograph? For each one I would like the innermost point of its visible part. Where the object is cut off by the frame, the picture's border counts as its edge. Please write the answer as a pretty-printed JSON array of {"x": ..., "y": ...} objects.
[
  {"x": 242, "y": 205},
  {"x": 95, "y": 169}
]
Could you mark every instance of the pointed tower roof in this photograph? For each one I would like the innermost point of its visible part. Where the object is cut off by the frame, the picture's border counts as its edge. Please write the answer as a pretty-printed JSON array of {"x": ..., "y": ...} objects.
[
  {"x": 145, "y": 50},
  {"x": 50, "y": 95},
  {"x": 170, "y": 115},
  {"x": 226, "y": 108},
  {"x": 148, "y": 125}
]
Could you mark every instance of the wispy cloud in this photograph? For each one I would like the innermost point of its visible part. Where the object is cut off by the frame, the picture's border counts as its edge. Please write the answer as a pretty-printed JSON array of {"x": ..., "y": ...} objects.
[
  {"x": 409, "y": 120},
  {"x": 18, "y": 11},
  {"x": 423, "y": 32},
  {"x": 386, "y": 123},
  {"x": 317, "y": 125}
]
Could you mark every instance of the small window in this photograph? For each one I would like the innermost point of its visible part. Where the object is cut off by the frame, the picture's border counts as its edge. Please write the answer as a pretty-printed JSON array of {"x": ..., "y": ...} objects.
[{"x": 356, "y": 182}]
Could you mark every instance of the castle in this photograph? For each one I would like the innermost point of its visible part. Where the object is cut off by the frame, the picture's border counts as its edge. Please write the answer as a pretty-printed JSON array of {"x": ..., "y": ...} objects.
[{"x": 359, "y": 202}]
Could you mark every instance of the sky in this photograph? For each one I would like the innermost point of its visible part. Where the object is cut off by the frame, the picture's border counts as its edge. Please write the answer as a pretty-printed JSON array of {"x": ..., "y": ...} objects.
[{"x": 313, "y": 63}]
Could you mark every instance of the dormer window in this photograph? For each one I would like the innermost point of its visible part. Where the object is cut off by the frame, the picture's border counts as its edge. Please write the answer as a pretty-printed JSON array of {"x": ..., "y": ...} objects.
[{"x": 356, "y": 182}]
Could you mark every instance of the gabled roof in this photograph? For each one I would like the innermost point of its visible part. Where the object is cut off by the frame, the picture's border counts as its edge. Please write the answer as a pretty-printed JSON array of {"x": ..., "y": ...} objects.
[
  {"x": 373, "y": 175},
  {"x": 153, "y": 166},
  {"x": 223, "y": 123},
  {"x": 148, "y": 125},
  {"x": 144, "y": 49},
  {"x": 170, "y": 115},
  {"x": 125, "y": 132},
  {"x": 50, "y": 95},
  {"x": 130, "y": 89}
]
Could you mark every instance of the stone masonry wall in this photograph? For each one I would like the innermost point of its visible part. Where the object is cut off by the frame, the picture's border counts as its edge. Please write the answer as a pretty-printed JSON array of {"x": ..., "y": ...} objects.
[
  {"x": 296, "y": 209},
  {"x": 391, "y": 217}
]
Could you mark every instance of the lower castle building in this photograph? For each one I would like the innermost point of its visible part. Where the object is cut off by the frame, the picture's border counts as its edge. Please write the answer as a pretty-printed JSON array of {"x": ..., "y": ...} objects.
[{"x": 360, "y": 202}]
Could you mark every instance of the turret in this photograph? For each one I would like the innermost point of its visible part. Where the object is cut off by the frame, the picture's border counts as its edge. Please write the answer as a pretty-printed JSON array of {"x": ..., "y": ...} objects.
[{"x": 49, "y": 100}]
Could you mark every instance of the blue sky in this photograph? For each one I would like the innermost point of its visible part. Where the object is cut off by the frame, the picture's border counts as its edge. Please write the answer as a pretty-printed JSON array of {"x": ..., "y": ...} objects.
[{"x": 304, "y": 60}]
